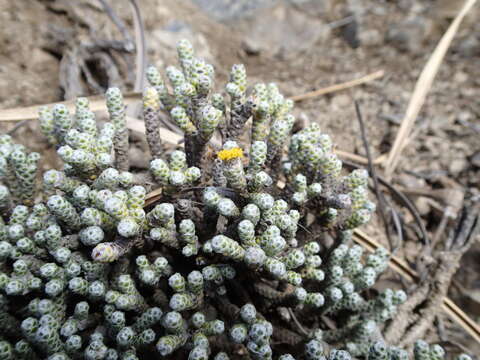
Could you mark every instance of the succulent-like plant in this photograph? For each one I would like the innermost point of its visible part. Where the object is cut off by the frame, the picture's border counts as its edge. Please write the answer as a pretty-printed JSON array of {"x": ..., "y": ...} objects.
[{"x": 89, "y": 271}]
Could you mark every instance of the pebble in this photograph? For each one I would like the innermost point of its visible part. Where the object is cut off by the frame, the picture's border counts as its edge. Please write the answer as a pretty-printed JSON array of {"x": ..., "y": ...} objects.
[
  {"x": 370, "y": 37},
  {"x": 475, "y": 160},
  {"x": 251, "y": 46},
  {"x": 411, "y": 34},
  {"x": 341, "y": 101},
  {"x": 411, "y": 181},
  {"x": 423, "y": 206},
  {"x": 457, "y": 165}
]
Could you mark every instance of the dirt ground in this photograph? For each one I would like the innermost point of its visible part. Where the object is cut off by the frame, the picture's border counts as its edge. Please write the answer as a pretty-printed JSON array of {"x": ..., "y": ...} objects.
[{"x": 302, "y": 45}]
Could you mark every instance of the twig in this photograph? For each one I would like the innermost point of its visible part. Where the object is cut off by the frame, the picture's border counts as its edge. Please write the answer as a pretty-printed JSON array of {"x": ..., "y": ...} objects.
[
  {"x": 456, "y": 344},
  {"x": 467, "y": 227},
  {"x": 89, "y": 77},
  {"x": 97, "y": 103},
  {"x": 461, "y": 318},
  {"x": 406, "y": 272},
  {"x": 357, "y": 158},
  {"x": 153, "y": 196},
  {"x": 411, "y": 208},
  {"x": 446, "y": 215},
  {"x": 338, "y": 87},
  {"x": 398, "y": 226},
  {"x": 295, "y": 320},
  {"x": 373, "y": 174},
  {"x": 17, "y": 126},
  {"x": 108, "y": 44},
  {"x": 140, "y": 46},
  {"x": 141, "y": 59},
  {"x": 129, "y": 46},
  {"x": 440, "y": 328},
  {"x": 341, "y": 22},
  {"x": 403, "y": 199},
  {"x": 397, "y": 264},
  {"x": 439, "y": 279},
  {"x": 422, "y": 87},
  {"x": 447, "y": 196}
]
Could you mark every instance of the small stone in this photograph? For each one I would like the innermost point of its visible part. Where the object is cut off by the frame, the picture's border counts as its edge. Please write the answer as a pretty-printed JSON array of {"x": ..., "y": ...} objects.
[
  {"x": 43, "y": 61},
  {"x": 137, "y": 158},
  {"x": 411, "y": 34},
  {"x": 468, "y": 47},
  {"x": 465, "y": 116},
  {"x": 411, "y": 182},
  {"x": 371, "y": 37},
  {"x": 341, "y": 101},
  {"x": 457, "y": 165},
  {"x": 475, "y": 160},
  {"x": 460, "y": 77},
  {"x": 423, "y": 206},
  {"x": 251, "y": 46}
]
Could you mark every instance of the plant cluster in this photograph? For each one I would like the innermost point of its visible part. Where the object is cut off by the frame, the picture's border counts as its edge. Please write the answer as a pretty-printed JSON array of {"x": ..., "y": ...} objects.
[{"x": 219, "y": 265}]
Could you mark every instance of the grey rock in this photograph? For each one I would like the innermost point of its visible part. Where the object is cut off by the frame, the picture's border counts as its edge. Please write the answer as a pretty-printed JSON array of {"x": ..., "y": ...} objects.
[
  {"x": 224, "y": 10},
  {"x": 168, "y": 37},
  {"x": 410, "y": 34},
  {"x": 370, "y": 37},
  {"x": 281, "y": 30},
  {"x": 475, "y": 159},
  {"x": 251, "y": 46},
  {"x": 313, "y": 7},
  {"x": 457, "y": 165}
]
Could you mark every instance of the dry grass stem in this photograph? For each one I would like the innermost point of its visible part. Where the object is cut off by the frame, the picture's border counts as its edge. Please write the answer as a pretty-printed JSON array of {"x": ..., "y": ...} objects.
[
  {"x": 339, "y": 87},
  {"x": 402, "y": 268},
  {"x": 97, "y": 103},
  {"x": 422, "y": 87}
]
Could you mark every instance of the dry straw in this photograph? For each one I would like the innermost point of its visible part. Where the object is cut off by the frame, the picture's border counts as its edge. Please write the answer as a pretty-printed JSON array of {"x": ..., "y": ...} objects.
[{"x": 422, "y": 87}]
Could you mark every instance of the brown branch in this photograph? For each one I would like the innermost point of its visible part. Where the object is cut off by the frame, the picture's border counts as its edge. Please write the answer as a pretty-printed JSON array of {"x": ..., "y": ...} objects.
[
  {"x": 97, "y": 103},
  {"x": 431, "y": 295},
  {"x": 404, "y": 200},
  {"x": 373, "y": 174},
  {"x": 140, "y": 46},
  {"x": 339, "y": 87},
  {"x": 118, "y": 23}
]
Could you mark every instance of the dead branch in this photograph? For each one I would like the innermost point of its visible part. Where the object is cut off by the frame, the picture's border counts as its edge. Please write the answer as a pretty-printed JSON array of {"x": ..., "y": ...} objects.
[{"x": 418, "y": 313}]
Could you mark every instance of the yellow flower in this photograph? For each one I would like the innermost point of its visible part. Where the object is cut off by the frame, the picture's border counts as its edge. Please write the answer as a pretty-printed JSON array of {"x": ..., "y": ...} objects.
[
  {"x": 150, "y": 99},
  {"x": 230, "y": 154},
  {"x": 105, "y": 252}
]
